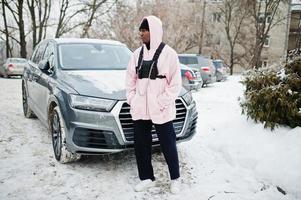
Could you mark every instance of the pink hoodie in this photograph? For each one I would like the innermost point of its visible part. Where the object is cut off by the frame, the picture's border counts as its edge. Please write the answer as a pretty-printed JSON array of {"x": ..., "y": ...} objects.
[{"x": 154, "y": 99}]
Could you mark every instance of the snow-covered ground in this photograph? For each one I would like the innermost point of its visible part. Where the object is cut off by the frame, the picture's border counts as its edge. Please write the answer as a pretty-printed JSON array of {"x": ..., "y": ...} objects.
[{"x": 230, "y": 157}]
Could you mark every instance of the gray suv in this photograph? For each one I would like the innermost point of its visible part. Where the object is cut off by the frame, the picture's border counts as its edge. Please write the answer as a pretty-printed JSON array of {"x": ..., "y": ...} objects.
[
  {"x": 76, "y": 88},
  {"x": 200, "y": 64}
]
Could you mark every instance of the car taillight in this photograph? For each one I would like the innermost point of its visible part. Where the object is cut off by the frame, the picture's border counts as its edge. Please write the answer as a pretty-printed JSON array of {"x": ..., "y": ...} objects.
[
  {"x": 206, "y": 69},
  {"x": 10, "y": 65},
  {"x": 189, "y": 75}
]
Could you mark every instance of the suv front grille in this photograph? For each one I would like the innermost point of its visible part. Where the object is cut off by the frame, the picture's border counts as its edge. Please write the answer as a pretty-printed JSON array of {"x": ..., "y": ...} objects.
[{"x": 127, "y": 123}]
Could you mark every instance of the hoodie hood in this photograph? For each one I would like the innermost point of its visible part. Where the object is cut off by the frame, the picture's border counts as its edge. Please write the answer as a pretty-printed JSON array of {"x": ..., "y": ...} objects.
[{"x": 155, "y": 30}]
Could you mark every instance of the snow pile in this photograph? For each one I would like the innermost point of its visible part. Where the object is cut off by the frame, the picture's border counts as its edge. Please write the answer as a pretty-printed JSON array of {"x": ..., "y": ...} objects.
[{"x": 105, "y": 80}]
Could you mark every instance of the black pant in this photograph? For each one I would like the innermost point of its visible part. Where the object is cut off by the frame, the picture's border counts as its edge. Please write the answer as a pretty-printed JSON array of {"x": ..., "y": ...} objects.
[{"x": 143, "y": 148}]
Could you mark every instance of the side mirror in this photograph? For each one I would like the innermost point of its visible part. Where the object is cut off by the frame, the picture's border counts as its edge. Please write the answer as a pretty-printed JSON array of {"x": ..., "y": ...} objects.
[{"x": 44, "y": 65}]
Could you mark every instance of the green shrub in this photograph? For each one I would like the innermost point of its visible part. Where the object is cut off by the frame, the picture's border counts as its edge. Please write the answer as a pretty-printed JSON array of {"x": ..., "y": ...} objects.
[{"x": 274, "y": 98}]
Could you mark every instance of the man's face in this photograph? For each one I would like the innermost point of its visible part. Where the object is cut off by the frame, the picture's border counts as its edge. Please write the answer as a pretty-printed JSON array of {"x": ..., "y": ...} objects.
[{"x": 144, "y": 35}]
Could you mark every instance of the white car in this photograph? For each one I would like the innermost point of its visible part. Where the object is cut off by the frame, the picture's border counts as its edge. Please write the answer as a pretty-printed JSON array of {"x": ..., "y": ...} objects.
[
  {"x": 13, "y": 67},
  {"x": 191, "y": 79},
  {"x": 201, "y": 64}
]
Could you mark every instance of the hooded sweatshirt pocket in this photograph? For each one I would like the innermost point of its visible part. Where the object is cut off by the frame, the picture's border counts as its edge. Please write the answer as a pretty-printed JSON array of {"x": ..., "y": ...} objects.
[
  {"x": 137, "y": 104},
  {"x": 157, "y": 87}
]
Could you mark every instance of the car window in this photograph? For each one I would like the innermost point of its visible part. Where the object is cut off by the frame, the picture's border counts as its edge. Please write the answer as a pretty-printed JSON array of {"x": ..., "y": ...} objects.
[
  {"x": 49, "y": 50},
  {"x": 38, "y": 56},
  {"x": 218, "y": 64},
  {"x": 183, "y": 60},
  {"x": 203, "y": 61},
  {"x": 17, "y": 60},
  {"x": 188, "y": 60},
  {"x": 49, "y": 55},
  {"x": 34, "y": 53},
  {"x": 93, "y": 56}
]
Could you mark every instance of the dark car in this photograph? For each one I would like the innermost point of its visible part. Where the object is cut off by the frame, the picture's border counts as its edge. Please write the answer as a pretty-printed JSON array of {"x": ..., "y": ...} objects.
[
  {"x": 76, "y": 88},
  {"x": 221, "y": 70}
]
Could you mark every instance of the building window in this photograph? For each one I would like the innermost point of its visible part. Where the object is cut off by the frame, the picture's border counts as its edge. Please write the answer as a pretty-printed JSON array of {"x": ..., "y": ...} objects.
[
  {"x": 260, "y": 19},
  {"x": 267, "y": 18},
  {"x": 267, "y": 41},
  {"x": 263, "y": 63},
  {"x": 216, "y": 17},
  {"x": 218, "y": 40}
]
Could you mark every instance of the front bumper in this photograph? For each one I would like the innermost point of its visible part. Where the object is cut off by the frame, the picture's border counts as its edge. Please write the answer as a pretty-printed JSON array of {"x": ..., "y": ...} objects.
[{"x": 90, "y": 132}]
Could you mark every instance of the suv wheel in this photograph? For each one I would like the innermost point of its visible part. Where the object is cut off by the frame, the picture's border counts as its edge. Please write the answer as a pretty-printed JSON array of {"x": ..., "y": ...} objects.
[
  {"x": 58, "y": 134},
  {"x": 28, "y": 113}
]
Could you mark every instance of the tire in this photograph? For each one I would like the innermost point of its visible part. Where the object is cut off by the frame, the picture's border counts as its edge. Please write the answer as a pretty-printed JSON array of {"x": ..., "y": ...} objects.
[
  {"x": 28, "y": 113},
  {"x": 58, "y": 135}
]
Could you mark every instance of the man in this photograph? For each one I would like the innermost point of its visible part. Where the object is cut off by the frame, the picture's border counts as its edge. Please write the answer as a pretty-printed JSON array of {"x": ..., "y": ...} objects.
[{"x": 153, "y": 82}]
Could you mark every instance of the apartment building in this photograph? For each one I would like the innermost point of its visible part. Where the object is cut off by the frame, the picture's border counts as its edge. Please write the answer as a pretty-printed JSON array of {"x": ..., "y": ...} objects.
[
  {"x": 275, "y": 46},
  {"x": 215, "y": 42},
  {"x": 294, "y": 38}
]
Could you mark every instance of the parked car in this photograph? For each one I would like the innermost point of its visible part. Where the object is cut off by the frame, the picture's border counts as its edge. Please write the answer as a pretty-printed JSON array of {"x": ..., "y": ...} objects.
[
  {"x": 201, "y": 64},
  {"x": 191, "y": 80},
  {"x": 221, "y": 70},
  {"x": 76, "y": 88},
  {"x": 13, "y": 67}
]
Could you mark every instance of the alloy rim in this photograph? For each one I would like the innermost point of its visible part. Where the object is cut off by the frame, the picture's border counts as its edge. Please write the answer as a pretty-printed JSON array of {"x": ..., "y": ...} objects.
[{"x": 56, "y": 135}]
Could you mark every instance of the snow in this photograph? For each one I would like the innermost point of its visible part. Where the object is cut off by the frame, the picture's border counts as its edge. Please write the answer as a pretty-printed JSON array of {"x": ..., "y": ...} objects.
[
  {"x": 230, "y": 157},
  {"x": 281, "y": 74},
  {"x": 87, "y": 40},
  {"x": 107, "y": 83}
]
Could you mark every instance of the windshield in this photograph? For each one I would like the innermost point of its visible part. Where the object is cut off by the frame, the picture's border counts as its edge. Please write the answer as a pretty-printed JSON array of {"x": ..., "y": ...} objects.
[
  {"x": 204, "y": 62},
  {"x": 93, "y": 56},
  {"x": 17, "y": 60},
  {"x": 188, "y": 60},
  {"x": 218, "y": 64}
]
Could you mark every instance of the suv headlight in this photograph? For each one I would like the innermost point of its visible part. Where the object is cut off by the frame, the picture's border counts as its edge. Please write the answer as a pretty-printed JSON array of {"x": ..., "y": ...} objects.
[
  {"x": 187, "y": 98},
  {"x": 91, "y": 103}
]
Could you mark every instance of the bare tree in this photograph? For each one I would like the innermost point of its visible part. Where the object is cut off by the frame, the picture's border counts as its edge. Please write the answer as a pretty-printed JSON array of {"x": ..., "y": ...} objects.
[
  {"x": 68, "y": 11},
  {"x": 234, "y": 13},
  {"x": 16, "y": 9},
  {"x": 201, "y": 35},
  {"x": 266, "y": 15},
  {"x": 123, "y": 24},
  {"x": 178, "y": 32},
  {"x": 41, "y": 8},
  {"x": 94, "y": 9},
  {"x": 5, "y": 31}
]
